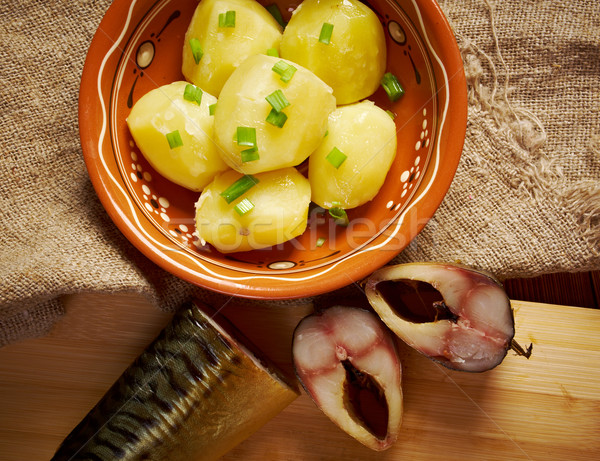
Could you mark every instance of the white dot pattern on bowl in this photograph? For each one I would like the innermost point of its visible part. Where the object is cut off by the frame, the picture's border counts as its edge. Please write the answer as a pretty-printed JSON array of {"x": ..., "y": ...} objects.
[
  {"x": 157, "y": 206},
  {"x": 279, "y": 265},
  {"x": 408, "y": 178}
]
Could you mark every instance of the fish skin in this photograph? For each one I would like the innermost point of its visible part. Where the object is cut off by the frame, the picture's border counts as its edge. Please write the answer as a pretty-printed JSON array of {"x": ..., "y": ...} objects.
[{"x": 193, "y": 394}]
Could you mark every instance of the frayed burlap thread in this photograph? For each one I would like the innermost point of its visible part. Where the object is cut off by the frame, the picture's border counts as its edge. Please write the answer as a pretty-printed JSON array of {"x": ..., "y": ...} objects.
[{"x": 525, "y": 199}]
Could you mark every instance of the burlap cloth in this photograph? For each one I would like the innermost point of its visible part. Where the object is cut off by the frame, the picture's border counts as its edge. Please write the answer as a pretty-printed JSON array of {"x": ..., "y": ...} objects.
[{"x": 525, "y": 199}]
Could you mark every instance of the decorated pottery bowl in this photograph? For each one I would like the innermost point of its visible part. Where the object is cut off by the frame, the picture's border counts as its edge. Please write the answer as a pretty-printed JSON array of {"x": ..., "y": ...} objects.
[{"x": 138, "y": 47}]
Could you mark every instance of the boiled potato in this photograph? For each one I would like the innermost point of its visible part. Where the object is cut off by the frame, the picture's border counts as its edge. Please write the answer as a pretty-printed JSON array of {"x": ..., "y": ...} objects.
[
  {"x": 280, "y": 212},
  {"x": 366, "y": 135},
  {"x": 225, "y": 48},
  {"x": 242, "y": 104},
  {"x": 354, "y": 61},
  {"x": 163, "y": 111}
]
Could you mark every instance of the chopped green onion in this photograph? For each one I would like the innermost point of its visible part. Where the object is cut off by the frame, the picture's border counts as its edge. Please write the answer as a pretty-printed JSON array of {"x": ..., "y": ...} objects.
[
  {"x": 192, "y": 93},
  {"x": 227, "y": 19},
  {"x": 280, "y": 67},
  {"x": 240, "y": 187},
  {"x": 211, "y": 109},
  {"x": 339, "y": 214},
  {"x": 243, "y": 207},
  {"x": 197, "y": 51},
  {"x": 174, "y": 139},
  {"x": 325, "y": 35},
  {"x": 286, "y": 71},
  {"x": 274, "y": 10},
  {"x": 392, "y": 86},
  {"x": 391, "y": 114},
  {"x": 249, "y": 155},
  {"x": 277, "y": 119},
  {"x": 336, "y": 157},
  {"x": 277, "y": 100},
  {"x": 273, "y": 52},
  {"x": 326, "y": 133},
  {"x": 320, "y": 242},
  {"x": 246, "y": 136}
]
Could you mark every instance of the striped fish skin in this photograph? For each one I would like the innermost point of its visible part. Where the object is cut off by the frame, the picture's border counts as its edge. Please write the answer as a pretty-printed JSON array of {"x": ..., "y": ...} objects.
[{"x": 193, "y": 394}]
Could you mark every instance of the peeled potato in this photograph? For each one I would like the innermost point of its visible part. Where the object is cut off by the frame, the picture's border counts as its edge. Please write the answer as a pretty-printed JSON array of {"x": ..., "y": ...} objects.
[
  {"x": 354, "y": 61},
  {"x": 164, "y": 110},
  {"x": 366, "y": 134},
  {"x": 242, "y": 103},
  {"x": 225, "y": 48},
  {"x": 280, "y": 212}
]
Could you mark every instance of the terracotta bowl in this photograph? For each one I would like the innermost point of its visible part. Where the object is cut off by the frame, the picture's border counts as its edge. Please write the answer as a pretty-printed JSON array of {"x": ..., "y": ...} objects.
[{"x": 137, "y": 48}]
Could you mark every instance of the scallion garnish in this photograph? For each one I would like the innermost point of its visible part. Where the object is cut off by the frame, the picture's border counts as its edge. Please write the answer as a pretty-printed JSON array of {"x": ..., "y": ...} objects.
[
  {"x": 286, "y": 71},
  {"x": 211, "y": 109},
  {"x": 339, "y": 214},
  {"x": 249, "y": 155},
  {"x": 174, "y": 139},
  {"x": 197, "y": 51},
  {"x": 336, "y": 157},
  {"x": 273, "y": 52},
  {"x": 192, "y": 93},
  {"x": 320, "y": 242},
  {"x": 277, "y": 100},
  {"x": 392, "y": 86},
  {"x": 239, "y": 187},
  {"x": 246, "y": 136},
  {"x": 243, "y": 207},
  {"x": 274, "y": 10},
  {"x": 391, "y": 114},
  {"x": 325, "y": 35},
  {"x": 277, "y": 119},
  {"x": 227, "y": 19}
]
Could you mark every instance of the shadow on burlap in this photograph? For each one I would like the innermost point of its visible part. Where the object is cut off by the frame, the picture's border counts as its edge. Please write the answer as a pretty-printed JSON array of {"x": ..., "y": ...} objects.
[{"x": 525, "y": 199}]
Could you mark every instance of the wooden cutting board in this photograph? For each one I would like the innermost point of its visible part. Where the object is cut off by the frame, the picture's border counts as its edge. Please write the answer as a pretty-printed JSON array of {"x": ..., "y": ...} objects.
[{"x": 544, "y": 408}]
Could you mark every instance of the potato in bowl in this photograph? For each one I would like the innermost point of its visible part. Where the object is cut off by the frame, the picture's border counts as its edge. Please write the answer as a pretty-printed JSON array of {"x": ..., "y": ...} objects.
[
  {"x": 216, "y": 44},
  {"x": 272, "y": 209},
  {"x": 244, "y": 102},
  {"x": 364, "y": 137},
  {"x": 342, "y": 42},
  {"x": 175, "y": 134}
]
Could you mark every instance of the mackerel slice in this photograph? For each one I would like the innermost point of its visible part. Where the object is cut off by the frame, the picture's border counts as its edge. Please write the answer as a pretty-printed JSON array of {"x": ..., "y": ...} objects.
[
  {"x": 347, "y": 362},
  {"x": 196, "y": 392},
  {"x": 457, "y": 316}
]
